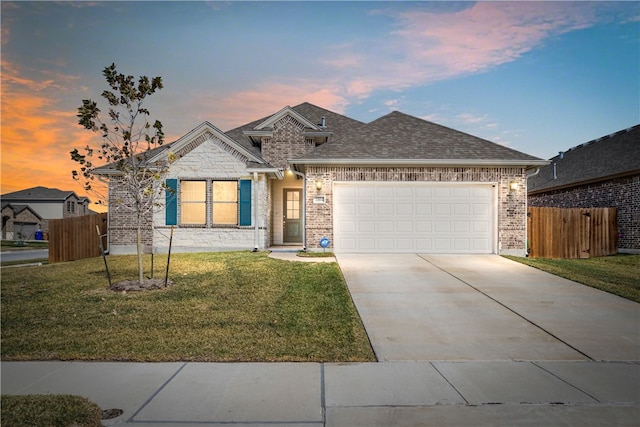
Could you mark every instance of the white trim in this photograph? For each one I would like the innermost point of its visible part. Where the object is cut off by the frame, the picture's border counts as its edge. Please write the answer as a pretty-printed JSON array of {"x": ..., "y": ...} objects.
[
  {"x": 198, "y": 131},
  {"x": 419, "y": 162},
  {"x": 282, "y": 113}
]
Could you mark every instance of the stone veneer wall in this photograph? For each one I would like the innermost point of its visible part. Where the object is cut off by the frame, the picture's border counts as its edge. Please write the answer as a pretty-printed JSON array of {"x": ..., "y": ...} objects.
[
  {"x": 287, "y": 142},
  {"x": 620, "y": 193},
  {"x": 204, "y": 158},
  {"x": 512, "y": 205}
]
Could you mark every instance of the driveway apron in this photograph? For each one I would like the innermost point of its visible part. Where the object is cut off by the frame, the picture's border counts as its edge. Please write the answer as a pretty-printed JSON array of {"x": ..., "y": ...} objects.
[{"x": 484, "y": 307}]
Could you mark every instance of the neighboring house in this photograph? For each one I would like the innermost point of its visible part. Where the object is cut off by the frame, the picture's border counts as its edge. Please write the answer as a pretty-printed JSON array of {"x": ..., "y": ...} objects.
[
  {"x": 46, "y": 203},
  {"x": 601, "y": 173},
  {"x": 19, "y": 222},
  {"x": 397, "y": 184}
]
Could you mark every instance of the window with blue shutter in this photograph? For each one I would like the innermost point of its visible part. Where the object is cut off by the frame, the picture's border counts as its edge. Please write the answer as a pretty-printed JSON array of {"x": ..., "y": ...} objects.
[
  {"x": 171, "y": 204},
  {"x": 245, "y": 202}
]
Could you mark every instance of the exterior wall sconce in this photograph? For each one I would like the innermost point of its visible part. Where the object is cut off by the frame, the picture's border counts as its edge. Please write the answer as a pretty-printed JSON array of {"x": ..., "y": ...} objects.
[
  {"x": 513, "y": 186},
  {"x": 318, "y": 184}
]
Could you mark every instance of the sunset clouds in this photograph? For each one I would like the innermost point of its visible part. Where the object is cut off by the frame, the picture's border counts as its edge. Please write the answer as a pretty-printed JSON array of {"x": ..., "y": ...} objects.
[{"x": 511, "y": 72}]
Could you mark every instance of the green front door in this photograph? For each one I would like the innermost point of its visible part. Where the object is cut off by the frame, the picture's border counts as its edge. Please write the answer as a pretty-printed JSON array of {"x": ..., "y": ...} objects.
[{"x": 292, "y": 217}]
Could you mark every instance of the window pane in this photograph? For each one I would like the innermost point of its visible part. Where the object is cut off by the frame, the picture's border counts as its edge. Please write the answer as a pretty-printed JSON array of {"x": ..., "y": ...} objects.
[
  {"x": 193, "y": 202},
  {"x": 194, "y": 213},
  {"x": 225, "y": 213},
  {"x": 193, "y": 191},
  {"x": 225, "y": 191}
]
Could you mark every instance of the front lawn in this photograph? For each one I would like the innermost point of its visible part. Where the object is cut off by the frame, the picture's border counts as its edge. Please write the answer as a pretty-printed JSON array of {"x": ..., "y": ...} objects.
[
  {"x": 49, "y": 410},
  {"x": 617, "y": 274},
  {"x": 237, "y": 306}
]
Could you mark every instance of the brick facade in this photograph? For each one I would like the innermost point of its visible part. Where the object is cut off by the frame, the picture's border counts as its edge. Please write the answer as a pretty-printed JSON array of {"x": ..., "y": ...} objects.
[
  {"x": 13, "y": 227},
  {"x": 512, "y": 205},
  {"x": 621, "y": 193},
  {"x": 287, "y": 142}
]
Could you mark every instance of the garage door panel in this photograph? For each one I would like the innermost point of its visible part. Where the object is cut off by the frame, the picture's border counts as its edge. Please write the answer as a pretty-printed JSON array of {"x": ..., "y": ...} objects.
[
  {"x": 414, "y": 217},
  {"x": 404, "y": 226},
  {"x": 385, "y": 226},
  {"x": 403, "y": 209},
  {"x": 385, "y": 209},
  {"x": 442, "y": 209},
  {"x": 366, "y": 208},
  {"x": 461, "y": 209}
]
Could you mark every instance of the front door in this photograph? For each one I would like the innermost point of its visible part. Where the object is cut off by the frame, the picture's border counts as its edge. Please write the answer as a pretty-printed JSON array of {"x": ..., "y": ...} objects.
[{"x": 292, "y": 218}]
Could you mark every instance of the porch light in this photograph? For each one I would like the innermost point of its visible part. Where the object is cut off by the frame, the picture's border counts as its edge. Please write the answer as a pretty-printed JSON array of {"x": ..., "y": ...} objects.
[
  {"x": 513, "y": 186},
  {"x": 318, "y": 184}
]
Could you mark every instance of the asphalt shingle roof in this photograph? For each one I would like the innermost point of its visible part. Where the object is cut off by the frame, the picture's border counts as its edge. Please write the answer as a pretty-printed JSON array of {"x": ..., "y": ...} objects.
[
  {"x": 38, "y": 193},
  {"x": 399, "y": 136},
  {"x": 612, "y": 155},
  {"x": 336, "y": 123}
]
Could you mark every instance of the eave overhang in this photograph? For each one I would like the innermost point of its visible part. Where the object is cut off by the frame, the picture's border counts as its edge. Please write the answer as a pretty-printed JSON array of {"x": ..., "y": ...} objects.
[{"x": 421, "y": 162}]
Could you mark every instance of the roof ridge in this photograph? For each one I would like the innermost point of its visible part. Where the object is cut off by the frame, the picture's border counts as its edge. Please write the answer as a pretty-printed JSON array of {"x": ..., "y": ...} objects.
[{"x": 600, "y": 139}]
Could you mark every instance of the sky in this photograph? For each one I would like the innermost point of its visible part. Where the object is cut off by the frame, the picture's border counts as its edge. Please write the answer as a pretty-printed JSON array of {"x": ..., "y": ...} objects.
[{"x": 539, "y": 77}]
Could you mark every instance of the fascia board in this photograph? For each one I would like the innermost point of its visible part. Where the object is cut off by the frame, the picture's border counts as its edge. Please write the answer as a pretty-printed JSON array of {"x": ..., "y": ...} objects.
[
  {"x": 280, "y": 114},
  {"x": 420, "y": 162}
]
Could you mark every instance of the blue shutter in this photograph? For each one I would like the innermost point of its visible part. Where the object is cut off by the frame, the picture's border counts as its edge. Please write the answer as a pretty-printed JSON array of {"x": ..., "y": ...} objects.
[
  {"x": 171, "y": 205},
  {"x": 245, "y": 202}
]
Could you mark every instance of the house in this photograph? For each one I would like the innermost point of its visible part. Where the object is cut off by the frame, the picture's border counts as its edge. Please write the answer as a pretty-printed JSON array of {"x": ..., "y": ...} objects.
[
  {"x": 44, "y": 204},
  {"x": 604, "y": 172},
  {"x": 304, "y": 173},
  {"x": 19, "y": 222}
]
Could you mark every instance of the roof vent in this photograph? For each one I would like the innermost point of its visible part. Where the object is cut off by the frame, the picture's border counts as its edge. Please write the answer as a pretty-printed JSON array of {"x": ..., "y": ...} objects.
[
  {"x": 323, "y": 122},
  {"x": 560, "y": 155}
]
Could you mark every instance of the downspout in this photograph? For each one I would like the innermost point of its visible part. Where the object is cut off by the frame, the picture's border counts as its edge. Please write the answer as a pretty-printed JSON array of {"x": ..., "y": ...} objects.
[
  {"x": 255, "y": 212},
  {"x": 527, "y": 176},
  {"x": 304, "y": 208}
]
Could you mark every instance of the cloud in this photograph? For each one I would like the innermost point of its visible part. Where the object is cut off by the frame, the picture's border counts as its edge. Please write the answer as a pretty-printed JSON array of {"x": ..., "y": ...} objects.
[
  {"x": 470, "y": 118},
  {"x": 428, "y": 46},
  {"x": 37, "y": 133},
  {"x": 238, "y": 108}
]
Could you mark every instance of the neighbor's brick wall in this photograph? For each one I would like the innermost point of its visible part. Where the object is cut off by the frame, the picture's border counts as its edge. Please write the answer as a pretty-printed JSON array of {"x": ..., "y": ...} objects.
[
  {"x": 287, "y": 142},
  {"x": 512, "y": 206},
  {"x": 620, "y": 193},
  {"x": 26, "y": 216}
]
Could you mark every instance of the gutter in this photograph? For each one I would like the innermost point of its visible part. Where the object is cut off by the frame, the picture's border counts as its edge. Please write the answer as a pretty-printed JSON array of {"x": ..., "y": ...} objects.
[{"x": 420, "y": 162}]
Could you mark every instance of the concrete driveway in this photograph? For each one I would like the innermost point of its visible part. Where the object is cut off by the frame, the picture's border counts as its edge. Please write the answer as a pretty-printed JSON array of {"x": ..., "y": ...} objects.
[{"x": 485, "y": 307}]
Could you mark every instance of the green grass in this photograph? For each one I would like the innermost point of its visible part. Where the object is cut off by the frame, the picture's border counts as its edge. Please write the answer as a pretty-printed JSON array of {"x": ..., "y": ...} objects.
[
  {"x": 617, "y": 274},
  {"x": 12, "y": 245},
  {"x": 309, "y": 254},
  {"x": 49, "y": 410},
  {"x": 237, "y": 306}
]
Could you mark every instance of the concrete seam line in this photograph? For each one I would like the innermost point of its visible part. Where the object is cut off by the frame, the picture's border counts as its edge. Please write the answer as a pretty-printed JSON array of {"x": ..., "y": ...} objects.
[
  {"x": 449, "y": 382},
  {"x": 153, "y": 396},
  {"x": 566, "y": 382},
  {"x": 323, "y": 403},
  {"x": 510, "y": 309}
]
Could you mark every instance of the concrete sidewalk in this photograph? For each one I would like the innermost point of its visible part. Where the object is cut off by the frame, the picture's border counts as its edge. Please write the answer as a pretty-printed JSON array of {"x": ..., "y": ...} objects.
[{"x": 478, "y": 393}]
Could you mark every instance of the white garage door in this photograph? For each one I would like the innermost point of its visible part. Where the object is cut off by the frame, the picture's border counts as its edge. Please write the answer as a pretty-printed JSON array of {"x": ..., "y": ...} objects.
[{"x": 414, "y": 217}]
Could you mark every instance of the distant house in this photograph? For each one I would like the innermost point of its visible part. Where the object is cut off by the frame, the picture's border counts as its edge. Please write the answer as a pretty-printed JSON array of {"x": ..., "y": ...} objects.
[
  {"x": 604, "y": 172},
  {"x": 19, "y": 222},
  {"x": 44, "y": 204},
  {"x": 305, "y": 175}
]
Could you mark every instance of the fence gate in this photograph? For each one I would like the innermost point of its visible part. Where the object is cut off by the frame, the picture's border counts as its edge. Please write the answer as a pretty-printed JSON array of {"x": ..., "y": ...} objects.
[
  {"x": 76, "y": 238},
  {"x": 572, "y": 233}
]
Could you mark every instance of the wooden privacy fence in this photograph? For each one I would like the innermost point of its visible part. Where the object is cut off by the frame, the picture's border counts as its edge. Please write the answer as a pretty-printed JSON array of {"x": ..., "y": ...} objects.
[
  {"x": 572, "y": 233},
  {"x": 76, "y": 238}
]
